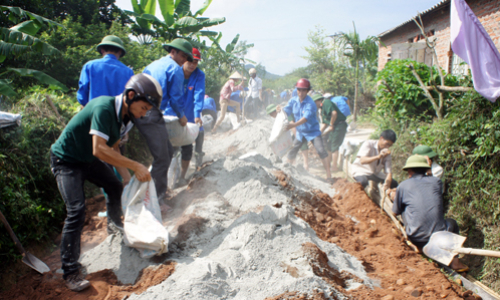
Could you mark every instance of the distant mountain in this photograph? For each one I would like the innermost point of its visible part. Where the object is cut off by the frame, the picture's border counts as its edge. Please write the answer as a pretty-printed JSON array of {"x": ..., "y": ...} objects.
[{"x": 269, "y": 76}]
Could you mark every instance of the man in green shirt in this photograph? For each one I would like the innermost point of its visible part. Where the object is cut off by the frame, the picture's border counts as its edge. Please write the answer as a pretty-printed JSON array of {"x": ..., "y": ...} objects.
[
  {"x": 334, "y": 127},
  {"x": 89, "y": 141}
]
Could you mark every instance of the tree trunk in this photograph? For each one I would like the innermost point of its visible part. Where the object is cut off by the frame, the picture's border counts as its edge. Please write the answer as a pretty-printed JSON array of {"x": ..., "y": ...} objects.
[{"x": 355, "y": 108}]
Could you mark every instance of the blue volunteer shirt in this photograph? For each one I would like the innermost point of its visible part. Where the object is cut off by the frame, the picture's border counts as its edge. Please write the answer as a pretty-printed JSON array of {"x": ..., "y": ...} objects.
[
  {"x": 171, "y": 78},
  {"x": 209, "y": 103},
  {"x": 106, "y": 76},
  {"x": 235, "y": 96},
  {"x": 294, "y": 93},
  {"x": 283, "y": 95},
  {"x": 193, "y": 98},
  {"x": 305, "y": 109}
]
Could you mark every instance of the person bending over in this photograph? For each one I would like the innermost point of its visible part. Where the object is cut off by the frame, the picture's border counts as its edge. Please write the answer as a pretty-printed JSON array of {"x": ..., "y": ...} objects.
[{"x": 373, "y": 157}]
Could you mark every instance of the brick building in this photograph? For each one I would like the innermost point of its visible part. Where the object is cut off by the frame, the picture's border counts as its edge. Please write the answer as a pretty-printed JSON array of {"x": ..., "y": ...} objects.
[{"x": 406, "y": 41}]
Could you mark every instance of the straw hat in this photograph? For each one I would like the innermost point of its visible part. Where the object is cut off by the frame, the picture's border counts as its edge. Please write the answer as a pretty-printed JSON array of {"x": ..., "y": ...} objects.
[{"x": 236, "y": 75}]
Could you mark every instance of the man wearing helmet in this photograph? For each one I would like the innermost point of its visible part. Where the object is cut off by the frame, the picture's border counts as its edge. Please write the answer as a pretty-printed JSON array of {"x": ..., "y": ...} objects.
[
  {"x": 168, "y": 72},
  {"x": 255, "y": 91},
  {"x": 194, "y": 94},
  {"x": 88, "y": 142},
  {"x": 304, "y": 111}
]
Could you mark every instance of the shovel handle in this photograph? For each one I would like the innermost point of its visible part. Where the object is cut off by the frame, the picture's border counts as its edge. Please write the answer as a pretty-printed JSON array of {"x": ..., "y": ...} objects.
[
  {"x": 12, "y": 234},
  {"x": 479, "y": 252}
]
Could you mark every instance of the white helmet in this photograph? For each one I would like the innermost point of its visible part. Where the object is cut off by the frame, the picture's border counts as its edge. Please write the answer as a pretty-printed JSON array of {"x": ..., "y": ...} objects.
[{"x": 252, "y": 71}]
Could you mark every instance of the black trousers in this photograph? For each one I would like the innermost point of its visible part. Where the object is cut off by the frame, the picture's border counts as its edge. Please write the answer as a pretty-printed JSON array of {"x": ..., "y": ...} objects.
[
  {"x": 152, "y": 127},
  {"x": 70, "y": 178},
  {"x": 364, "y": 180}
]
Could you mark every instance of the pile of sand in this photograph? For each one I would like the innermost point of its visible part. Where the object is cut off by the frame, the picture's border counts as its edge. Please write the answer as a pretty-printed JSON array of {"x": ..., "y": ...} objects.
[{"x": 234, "y": 231}]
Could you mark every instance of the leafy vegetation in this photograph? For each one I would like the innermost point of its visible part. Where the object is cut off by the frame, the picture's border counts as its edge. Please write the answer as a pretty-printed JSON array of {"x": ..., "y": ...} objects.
[
  {"x": 29, "y": 197},
  {"x": 466, "y": 140}
]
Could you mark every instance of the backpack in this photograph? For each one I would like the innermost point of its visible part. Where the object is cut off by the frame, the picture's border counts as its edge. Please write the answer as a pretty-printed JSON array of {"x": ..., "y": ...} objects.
[{"x": 341, "y": 103}]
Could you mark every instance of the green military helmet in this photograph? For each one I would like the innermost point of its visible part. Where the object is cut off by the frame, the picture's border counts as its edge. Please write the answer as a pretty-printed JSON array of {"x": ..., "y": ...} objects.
[
  {"x": 317, "y": 97},
  {"x": 424, "y": 150},
  {"x": 182, "y": 45},
  {"x": 416, "y": 162},
  {"x": 112, "y": 40},
  {"x": 270, "y": 108}
]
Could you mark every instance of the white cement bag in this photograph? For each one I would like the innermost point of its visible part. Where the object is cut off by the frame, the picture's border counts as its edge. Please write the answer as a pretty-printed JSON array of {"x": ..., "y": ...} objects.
[
  {"x": 279, "y": 126},
  {"x": 174, "y": 171},
  {"x": 8, "y": 119},
  {"x": 208, "y": 121},
  {"x": 180, "y": 135},
  {"x": 282, "y": 144},
  {"x": 143, "y": 226},
  {"x": 225, "y": 125},
  {"x": 234, "y": 120}
]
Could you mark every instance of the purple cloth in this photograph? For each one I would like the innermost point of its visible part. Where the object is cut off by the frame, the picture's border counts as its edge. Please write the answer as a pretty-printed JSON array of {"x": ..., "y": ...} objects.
[{"x": 471, "y": 42}]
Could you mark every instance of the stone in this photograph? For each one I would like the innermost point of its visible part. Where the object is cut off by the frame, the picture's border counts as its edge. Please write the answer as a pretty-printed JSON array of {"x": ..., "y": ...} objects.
[
  {"x": 416, "y": 292},
  {"x": 400, "y": 281},
  {"x": 335, "y": 239},
  {"x": 458, "y": 281},
  {"x": 388, "y": 297},
  {"x": 408, "y": 289}
]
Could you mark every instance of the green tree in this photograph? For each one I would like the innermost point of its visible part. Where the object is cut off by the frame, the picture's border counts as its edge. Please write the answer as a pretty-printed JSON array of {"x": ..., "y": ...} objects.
[
  {"x": 178, "y": 21},
  {"x": 359, "y": 51}
]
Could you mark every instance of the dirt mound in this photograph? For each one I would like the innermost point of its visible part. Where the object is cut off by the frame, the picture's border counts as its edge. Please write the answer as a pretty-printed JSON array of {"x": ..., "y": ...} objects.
[
  {"x": 351, "y": 220},
  {"x": 104, "y": 285}
]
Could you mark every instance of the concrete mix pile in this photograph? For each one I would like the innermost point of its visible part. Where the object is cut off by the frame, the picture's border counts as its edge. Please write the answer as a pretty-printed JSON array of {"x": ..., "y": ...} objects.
[{"x": 234, "y": 232}]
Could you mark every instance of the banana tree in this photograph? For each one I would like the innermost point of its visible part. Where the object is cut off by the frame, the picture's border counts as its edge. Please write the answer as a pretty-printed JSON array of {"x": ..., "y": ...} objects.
[
  {"x": 20, "y": 40},
  {"x": 178, "y": 20},
  {"x": 359, "y": 51}
]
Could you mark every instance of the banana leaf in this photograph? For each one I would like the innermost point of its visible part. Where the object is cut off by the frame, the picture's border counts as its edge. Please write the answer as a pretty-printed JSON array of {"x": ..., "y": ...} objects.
[
  {"x": 41, "y": 77},
  {"x": 167, "y": 8},
  {"x": 200, "y": 11},
  {"x": 28, "y": 27},
  {"x": 17, "y": 13},
  {"x": 13, "y": 42},
  {"x": 183, "y": 7},
  {"x": 230, "y": 47},
  {"x": 6, "y": 89}
]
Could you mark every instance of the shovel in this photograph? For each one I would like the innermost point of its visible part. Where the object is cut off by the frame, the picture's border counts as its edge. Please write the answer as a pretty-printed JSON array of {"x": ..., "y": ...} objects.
[
  {"x": 444, "y": 246},
  {"x": 28, "y": 258}
]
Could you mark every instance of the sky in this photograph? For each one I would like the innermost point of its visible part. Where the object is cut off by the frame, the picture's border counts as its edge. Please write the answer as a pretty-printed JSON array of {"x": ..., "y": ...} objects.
[{"x": 279, "y": 28}]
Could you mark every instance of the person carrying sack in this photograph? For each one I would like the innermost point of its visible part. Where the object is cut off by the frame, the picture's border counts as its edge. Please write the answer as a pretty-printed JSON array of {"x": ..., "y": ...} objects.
[{"x": 225, "y": 98}]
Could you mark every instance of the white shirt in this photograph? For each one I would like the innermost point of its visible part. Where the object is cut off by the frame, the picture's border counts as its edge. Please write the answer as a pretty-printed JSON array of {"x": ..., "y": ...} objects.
[
  {"x": 254, "y": 85},
  {"x": 369, "y": 149},
  {"x": 437, "y": 170}
]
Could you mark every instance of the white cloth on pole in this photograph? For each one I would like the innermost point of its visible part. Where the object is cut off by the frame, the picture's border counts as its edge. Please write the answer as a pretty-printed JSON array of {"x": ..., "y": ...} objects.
[{"x": 471, "y": 42}]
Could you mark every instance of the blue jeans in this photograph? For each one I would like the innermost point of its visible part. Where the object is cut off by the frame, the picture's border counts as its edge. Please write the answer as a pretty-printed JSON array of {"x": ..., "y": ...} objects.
[{"x": 70, "y": 178}]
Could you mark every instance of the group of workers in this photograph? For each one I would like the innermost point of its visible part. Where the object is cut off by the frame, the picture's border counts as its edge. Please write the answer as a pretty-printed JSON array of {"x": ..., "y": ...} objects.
[
  {"x": 419, "y": 199},
  {"x": 113, "y": 100}
]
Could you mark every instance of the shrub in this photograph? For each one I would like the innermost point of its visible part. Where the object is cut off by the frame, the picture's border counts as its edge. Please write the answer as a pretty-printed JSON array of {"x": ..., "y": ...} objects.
[{"x": 29, "y": 197}]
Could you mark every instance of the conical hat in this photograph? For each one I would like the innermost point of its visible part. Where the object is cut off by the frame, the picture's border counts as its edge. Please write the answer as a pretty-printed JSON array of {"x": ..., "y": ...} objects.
[{"x": 236, "y": 75}]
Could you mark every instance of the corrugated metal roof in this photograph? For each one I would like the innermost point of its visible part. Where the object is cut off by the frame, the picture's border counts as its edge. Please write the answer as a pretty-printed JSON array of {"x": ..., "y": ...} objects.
[{"x": 435, "y": 7}]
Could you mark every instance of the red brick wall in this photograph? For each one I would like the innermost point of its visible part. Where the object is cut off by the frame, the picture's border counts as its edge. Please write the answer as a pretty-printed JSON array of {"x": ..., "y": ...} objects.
[{"x": 488, "y": 12}]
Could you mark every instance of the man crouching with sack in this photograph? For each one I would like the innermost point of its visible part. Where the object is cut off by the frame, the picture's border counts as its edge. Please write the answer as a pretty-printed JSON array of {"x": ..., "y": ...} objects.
[{"x": 89, "y": 141}]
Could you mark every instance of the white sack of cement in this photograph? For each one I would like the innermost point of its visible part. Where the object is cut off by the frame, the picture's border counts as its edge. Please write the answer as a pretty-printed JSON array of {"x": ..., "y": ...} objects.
[
  {"x": 208, "y": 121},
  {"x": 142, "y": 225},
  {"x": 279, "y": 126},
  {"x": 8, "y": 119},
  {"x": 180, "y": 135},
  {"x": 174, "y": 171}
]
